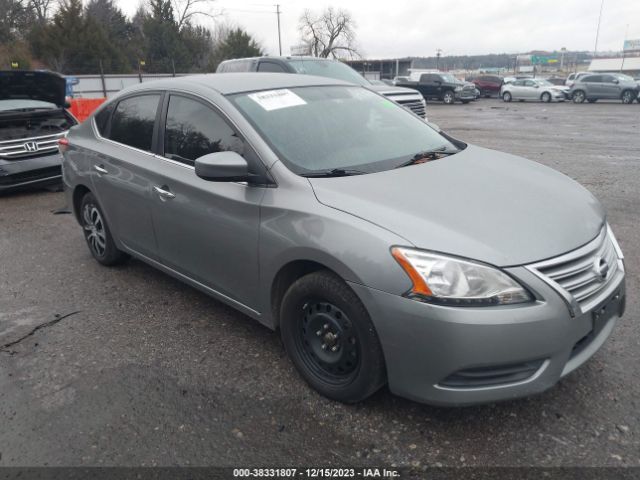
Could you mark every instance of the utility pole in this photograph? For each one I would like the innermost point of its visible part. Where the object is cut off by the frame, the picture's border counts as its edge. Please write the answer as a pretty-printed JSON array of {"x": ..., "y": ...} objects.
[
  {"x": 279, "y": 38},
  {"x": 595, "y": 48},
  {"x": 438, "y": 53}
]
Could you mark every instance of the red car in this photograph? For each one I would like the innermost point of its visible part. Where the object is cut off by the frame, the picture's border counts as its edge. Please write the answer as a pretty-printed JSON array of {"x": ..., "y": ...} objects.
[{"x": 489, "y": 85}]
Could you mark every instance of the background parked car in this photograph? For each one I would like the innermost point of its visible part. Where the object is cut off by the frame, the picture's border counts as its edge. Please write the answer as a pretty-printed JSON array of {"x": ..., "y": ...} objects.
[
  {"x": 32, "y": 120},
  {"x": 323, "y": 67},
  {"x": 532, "y": 89},
  {"x": 573, "y": 78},
  {"x": 489, "y": 85},
  {"x": 611, "y": 86},
  {"x": 557, "y": 80},
  {"x": 444, "y": 87}
]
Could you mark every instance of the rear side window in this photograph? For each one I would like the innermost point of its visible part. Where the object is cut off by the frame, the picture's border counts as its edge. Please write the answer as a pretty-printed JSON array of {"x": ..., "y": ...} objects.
[
  {"x": 194, "y": 129},
  {"x": 102, "y": 119},
  {"x": 236, "y": 66},
  {"x": 270, "y": 67},
  {"x": 133, "y": 120}
]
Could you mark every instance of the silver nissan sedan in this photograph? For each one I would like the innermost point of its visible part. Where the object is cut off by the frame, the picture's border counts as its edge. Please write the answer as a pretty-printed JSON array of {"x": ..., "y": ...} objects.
[{"x": 383, "y": 250}]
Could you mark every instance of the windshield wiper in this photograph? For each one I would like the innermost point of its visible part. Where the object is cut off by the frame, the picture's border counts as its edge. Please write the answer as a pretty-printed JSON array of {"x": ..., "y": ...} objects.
[
  {"x": 433, "y": 154},
  {"x": 334, "y": 172}
]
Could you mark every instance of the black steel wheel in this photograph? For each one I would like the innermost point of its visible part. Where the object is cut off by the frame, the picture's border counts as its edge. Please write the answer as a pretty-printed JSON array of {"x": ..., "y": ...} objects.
[
  {"x": 97, "y": 233},
  {"x": 330, "y": 339},
  {"x": 327, "y": 342}
]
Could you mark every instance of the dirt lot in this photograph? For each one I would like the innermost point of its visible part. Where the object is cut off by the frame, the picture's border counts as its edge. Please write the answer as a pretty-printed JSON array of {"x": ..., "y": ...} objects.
[{"x": 131, "y": 367}]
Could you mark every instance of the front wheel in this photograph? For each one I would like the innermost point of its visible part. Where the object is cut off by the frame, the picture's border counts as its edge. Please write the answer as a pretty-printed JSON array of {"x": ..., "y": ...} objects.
[
  {"x": 97, "y": 233},
  {"x": 330, "y": 339},
  {"x": 628, "y": 96},
  {"x": 449, "y": 98},
  {"x": 506, "y": 96},
  {"x": 545, "y": 97}
]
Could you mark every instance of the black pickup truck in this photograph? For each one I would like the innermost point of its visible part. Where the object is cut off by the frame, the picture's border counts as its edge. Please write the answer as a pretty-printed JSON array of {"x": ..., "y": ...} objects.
[{"x": 442, "y": 86}]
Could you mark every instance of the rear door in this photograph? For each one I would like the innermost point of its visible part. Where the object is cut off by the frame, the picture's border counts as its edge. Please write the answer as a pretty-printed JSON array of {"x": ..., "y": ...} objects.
[
  {"x": 123, "y": 170},
  {"x": 206, "y": 230}
]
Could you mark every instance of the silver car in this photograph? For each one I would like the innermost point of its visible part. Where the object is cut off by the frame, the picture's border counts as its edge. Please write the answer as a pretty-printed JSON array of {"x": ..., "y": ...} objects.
[
  {"x": 383, "y": 250},
  {"x": 533, "y": 89},
  {"x": 605, "y": 86}
]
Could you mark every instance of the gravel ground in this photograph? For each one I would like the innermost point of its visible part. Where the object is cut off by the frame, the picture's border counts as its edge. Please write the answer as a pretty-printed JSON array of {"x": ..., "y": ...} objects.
[{"x": 131, "y": 367}]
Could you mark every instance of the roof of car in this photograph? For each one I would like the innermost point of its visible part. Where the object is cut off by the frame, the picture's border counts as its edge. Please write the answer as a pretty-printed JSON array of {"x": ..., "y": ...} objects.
[
  {"x": 230, "y": 83},
  {"x": 283, "y": 57}
]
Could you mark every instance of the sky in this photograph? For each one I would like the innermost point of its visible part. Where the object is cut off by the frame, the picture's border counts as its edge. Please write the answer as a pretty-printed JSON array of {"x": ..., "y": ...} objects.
[{"x": 400, "y": 28}]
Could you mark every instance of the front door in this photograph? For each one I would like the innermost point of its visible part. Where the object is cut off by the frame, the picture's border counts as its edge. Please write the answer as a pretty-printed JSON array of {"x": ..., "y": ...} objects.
[{"x": 206, "y": 230}]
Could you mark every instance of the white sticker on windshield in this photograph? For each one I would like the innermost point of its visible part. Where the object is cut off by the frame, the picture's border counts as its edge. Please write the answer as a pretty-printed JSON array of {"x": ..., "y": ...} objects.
[{"x": 276, "y": 99}]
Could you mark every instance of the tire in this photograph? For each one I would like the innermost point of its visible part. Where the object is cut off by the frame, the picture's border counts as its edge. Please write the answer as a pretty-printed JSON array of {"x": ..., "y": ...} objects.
[
  {"x": 545, "y": 97},
  {"x": 506, "y": 96},
  {"x": 449, "y": 97},
  {"x": 97, "y": 233},
  {"x": 592, "y": 100},
  {"x": 578, "y": 96},
  {"x": 330, "y": 339},
  {"x": 628, "y": 96}
]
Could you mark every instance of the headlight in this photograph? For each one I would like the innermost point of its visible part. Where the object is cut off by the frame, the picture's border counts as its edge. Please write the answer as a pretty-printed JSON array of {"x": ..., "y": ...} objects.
[
  {"x": 458, "y": 89},
  {"x": 452, "y": 281}
]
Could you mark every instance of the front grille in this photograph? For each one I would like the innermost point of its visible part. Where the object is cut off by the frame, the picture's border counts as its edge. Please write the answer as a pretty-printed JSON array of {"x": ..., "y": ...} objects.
[
  {"x": 30, "y": 176},
  {"x": 22, "y": 148},
  {"x": 416, "y": 106},
  {"x": 583, "y": 274},
  {"x": 493, "y": 375}
]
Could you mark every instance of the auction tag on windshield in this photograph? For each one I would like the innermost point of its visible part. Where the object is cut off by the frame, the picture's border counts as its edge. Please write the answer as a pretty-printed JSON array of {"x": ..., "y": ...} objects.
[{"x": 276, "y": 99}]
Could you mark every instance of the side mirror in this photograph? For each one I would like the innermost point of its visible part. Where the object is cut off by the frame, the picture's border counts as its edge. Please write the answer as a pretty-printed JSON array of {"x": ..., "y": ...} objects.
[
  {"x": 222, "y": 167},
  {"x": 437, "y": 82},
  {"x": 615, "y": 80}
]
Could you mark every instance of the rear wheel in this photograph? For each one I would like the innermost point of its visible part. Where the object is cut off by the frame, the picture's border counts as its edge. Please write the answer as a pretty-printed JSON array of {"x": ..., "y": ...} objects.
[
  {"x": 97, "y": 233},
  {"x": 545, "y": 97},
  {"x": 628, "y": 96},
  {"x": 329, "y": 336},
  {"x": 578, "y": 96},
  {"x": 449, "y": 98},
  {"x": 506, "y": 96}
]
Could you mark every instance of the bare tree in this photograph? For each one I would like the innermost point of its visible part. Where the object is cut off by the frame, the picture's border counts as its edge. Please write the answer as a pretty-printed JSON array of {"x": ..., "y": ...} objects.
[
  {"x": 330, "y": 33},
  {"x": 41, "y": 9},
  {"x": 186, "y": 10}
]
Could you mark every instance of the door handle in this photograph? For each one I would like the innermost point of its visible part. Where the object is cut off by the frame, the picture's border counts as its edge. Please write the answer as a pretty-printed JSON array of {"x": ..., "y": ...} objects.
[
  {"x": 100, "y": 169},
  {"x": 163, "y": 193}
]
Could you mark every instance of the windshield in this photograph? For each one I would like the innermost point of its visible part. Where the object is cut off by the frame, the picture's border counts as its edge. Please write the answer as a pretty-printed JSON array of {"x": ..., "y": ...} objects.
[
  {"x": 328, "y": 68},
  {"x": 449, "y": 78},
  {"x": 314, "y": 129},
  {"x": 15, "y": 104}
]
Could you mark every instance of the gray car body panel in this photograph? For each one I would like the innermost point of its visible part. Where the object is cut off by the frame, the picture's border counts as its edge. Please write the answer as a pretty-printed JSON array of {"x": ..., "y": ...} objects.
[
  {"x": 480, "y": 204},
  {"x": 436, "y": 204}
]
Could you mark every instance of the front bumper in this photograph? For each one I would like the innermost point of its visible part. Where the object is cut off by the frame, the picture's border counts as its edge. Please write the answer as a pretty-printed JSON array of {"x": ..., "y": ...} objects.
[
  {"x": 426, "y": 345},
  {"x": 44, "y": 170},
  {"x": 465, "y": 95}
]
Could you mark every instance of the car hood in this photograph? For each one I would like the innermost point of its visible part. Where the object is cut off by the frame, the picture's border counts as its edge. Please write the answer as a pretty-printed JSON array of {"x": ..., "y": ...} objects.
[
  {"x": 44, "y": 86},
  {"x": 479, "y": 203}
]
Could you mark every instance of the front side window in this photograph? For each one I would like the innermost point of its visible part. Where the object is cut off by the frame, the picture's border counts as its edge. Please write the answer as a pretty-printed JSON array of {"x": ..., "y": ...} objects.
[
  {"x": 194, "y": 130},
  {"x": 133, "y": 121},
  {"x": 315, "y": 129}
]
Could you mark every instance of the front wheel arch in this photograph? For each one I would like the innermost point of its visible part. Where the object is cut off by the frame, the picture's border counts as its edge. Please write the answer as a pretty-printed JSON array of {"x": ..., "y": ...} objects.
[{"x": 78, "y": 194}]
